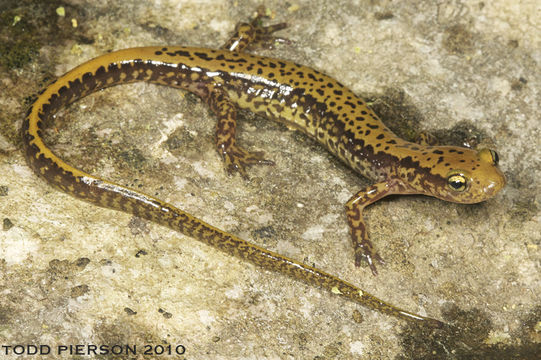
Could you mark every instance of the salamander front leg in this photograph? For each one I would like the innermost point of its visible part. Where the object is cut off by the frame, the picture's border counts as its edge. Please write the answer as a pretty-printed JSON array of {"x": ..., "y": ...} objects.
[
  {"x": 362, "y": 245},
  {"x": 236, "y": 158},
  {"x": 247, "y": 34}
]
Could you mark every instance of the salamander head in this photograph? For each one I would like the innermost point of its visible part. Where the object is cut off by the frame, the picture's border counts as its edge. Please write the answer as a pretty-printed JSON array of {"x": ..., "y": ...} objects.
[{"x": 460, "y": 175}]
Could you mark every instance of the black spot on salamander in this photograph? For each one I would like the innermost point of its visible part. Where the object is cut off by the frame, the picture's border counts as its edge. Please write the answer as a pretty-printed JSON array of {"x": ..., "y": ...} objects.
[
  {"x": 380, "y": 136},
  {"x": 100, "y": 72},
  {"x": 359, "y": 118},
  {"x": 179, "y": 53},
  {"x": 320, "y": 92},
  {"x": 282, "y": 64},
  {"x": 62, "y": 91},
  {"x": 311, "y": 76},
  {"x": 414, "y": 148},
  {"x": 367, "y": 132},
  {"x": 41, "y": 114},
  {"x": 158, "y": 52},
  {"x": 271, "y": 75},
  {"x": 54, "y": 102},
  {"x": 239, "y": 60},
  {"x": 440, "y": 159},
  {"x": 352, "y": 105},
  {"x": 261, "y": 63},
  {"x": 439, "y": 152},
  {"x": 220, "y": 57},
  {"x": 364, "y": 112},
  {"x": 452, "y": 150},
  {"x": 272, "y": 65},
  {"x": 259, "y": 71},
  {"x": 460, "y": 152},
  {"x": 372, "y": 126},
  {"x": 300, "y": 74},
  {"x": 112, "y": 67},
  {"x": 88, "y": 78},
  {"x": 337, "y": 92},
  {"x": 278, "y": 107},
  {"x": 446, "y": 164},
  {"x": 203, "y": 56},
  {"x": 332, "y": 104},
  {"x": 164, "y": 49}
]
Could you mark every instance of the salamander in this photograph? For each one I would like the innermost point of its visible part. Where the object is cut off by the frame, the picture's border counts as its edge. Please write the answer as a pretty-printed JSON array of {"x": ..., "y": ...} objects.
[{"x": 301, "y": 97}]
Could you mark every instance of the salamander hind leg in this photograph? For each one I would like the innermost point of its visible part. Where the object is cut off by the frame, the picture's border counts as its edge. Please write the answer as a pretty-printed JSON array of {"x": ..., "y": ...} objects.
[
  {"x": 235, "y": 157},
  {"x": 362, "y": 246},
  {"x": 247, "y": 34}
]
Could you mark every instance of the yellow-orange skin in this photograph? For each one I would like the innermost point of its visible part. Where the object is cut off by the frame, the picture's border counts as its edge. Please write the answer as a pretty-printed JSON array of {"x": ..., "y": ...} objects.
[{"x": 299, "y": 96}]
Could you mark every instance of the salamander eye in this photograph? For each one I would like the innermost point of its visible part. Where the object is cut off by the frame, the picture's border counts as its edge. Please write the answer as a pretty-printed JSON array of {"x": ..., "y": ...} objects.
[
  {"x": 495, "y": 156},
  {"x": 457, "y": 182}
]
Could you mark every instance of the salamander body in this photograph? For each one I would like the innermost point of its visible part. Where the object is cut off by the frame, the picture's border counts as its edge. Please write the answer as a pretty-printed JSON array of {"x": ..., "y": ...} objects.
[{"x": 302, "y": 98}]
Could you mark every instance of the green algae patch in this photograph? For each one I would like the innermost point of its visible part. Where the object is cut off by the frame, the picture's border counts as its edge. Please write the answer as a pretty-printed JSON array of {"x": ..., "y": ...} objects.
[{"x": 28, "y": 24}]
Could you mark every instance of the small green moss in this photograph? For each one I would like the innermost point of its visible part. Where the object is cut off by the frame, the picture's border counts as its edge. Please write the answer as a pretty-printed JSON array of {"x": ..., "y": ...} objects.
[
  {"x": 17, "y": 54},
  {"x": 18, "y": 45},
  {"x": 25, "y": 25},
  {"x": 61, "y": 11}
]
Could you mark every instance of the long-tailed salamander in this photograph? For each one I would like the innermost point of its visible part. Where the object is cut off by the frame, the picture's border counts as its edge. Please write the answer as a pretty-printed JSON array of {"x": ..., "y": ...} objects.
[{"x": 287, "y": 92}]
